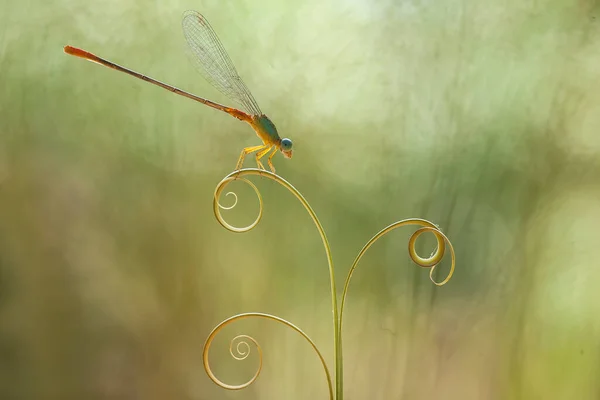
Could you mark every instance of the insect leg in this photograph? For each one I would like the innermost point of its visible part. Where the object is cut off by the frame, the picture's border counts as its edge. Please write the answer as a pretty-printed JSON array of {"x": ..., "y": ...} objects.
[
  {"x": 246, "y": 151},
  {"x": 269, "y": 160},
  {"x": 260, "y": 155}
]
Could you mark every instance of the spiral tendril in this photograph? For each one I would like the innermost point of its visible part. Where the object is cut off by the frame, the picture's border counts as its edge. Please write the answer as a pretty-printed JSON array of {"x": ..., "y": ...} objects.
[
  {"x": 430, "y": 262},
  {"x": 235, "y": 201},
  {"x": 217, "y": 205},
  {"x": 436, "y": 257},
  {"x": 242, "y": 350},
  {"x": 243, "y": 354}
]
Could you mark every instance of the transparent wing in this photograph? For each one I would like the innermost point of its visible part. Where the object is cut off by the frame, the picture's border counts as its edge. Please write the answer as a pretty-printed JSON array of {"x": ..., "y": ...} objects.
[{"x": 210, "y": 58}]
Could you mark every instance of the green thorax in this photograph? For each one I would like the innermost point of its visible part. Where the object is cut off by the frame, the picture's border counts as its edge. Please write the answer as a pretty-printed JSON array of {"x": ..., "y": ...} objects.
[{"x": 268, "y": 127}]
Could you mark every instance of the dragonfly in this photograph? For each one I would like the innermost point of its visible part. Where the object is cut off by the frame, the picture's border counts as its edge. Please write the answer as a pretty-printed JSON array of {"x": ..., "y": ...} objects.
[{"x": 210, "y": 58}]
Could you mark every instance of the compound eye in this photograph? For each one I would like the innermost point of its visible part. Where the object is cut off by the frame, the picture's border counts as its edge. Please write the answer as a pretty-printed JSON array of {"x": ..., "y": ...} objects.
[{"x": 286, "y": 144}]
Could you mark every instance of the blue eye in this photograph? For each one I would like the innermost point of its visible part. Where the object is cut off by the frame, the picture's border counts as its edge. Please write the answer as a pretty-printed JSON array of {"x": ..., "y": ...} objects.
[{"x": 286, "y": 144}]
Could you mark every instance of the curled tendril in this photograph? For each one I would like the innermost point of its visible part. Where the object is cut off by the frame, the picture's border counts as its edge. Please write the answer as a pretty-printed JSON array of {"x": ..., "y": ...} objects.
[
  {"x": 434, "y": 259},
  {"x": 235, "y": 200},
  {"x": 242, "y": 350},
  {"x": 217, "y": 205},
  {"x": 430, "y": 262},
  {"x": 243, "y": 354}
]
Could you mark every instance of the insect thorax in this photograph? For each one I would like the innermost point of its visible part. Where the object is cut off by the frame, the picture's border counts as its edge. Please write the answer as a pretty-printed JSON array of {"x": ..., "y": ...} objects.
[{"x": 266, "y": 128}]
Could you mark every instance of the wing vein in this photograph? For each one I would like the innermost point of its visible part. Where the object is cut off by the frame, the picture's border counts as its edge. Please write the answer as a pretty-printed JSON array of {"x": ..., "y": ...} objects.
[{"x": 211, "y": 59}]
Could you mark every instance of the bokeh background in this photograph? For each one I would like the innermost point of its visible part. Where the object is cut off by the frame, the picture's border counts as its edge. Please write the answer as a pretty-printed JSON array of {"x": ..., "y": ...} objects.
[{"x": 482, "y": 116}]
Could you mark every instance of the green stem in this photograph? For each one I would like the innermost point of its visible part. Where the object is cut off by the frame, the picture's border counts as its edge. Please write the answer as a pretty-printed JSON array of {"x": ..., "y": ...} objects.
[
  {"x": 295, "y": 192},
  {"x": 430, "y": 262}
]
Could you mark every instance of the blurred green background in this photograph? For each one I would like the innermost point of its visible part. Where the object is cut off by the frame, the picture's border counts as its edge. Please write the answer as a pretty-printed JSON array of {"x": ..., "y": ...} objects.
[{"x": 479, "y": 115}]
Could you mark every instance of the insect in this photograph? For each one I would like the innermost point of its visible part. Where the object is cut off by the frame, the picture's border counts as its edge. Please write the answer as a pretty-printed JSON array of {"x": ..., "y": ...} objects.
[{"x": 211, "y": 59}]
